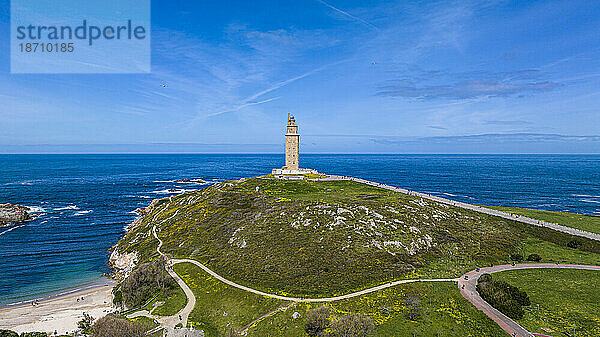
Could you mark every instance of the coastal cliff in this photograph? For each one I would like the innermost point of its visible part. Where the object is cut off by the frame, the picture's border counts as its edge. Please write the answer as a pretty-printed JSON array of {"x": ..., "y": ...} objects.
[
  {"x": 123, "y": 263},
  {"x": 10, "y": 213}
]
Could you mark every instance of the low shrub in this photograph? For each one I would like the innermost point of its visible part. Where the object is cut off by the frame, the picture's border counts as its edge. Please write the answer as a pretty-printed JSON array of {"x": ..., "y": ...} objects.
[
  {"x": 320, "y": 323},
  {"x": 516, "y": 257},
  {"x": 484, "y": 278},
  {"x": 574, "y": 244},
  {"x": 145, "y": 281},
  {"x": 502, "y": 296},
  {"x": 86, "y": 323},
  {"x": 317, "y": 321},
  {"x": 534, "y": 258},
  {"x": 352, "y": 325},
  {"x": 232, "y": 333},
  {"x": 413, "y": 303},
  {"x": 110, "y": 326}
]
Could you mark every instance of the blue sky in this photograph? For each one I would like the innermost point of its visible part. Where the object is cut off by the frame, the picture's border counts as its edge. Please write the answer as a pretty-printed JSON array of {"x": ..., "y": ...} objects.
[{"x": 360, "y": 76}]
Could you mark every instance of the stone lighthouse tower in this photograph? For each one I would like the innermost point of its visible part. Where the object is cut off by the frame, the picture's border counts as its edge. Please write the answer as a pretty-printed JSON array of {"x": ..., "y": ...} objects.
[
  {"x": 292, "y": 169},
  {"x": 292, "y": 145}
]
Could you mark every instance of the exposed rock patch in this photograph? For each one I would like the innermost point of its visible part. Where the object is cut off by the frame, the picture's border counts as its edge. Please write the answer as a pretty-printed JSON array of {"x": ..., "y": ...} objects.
[
  {"x": 10, "y": 213},
  {"x": 123, "y": 263}
]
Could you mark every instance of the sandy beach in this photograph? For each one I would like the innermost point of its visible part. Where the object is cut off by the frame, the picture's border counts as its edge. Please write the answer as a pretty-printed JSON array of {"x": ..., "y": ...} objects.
[{"x": 61, "y": 312}]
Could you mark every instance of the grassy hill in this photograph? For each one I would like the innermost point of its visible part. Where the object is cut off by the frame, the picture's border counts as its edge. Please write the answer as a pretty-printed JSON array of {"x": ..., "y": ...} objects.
[
  {"x": 326, "y": 238},
  {"x": 316, "y": 239}
]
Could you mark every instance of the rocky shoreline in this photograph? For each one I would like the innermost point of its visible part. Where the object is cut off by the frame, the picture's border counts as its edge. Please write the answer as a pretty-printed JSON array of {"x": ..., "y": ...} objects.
[
  {"x": 10, "y": 213},
  {"x": 123, "y": 263}
]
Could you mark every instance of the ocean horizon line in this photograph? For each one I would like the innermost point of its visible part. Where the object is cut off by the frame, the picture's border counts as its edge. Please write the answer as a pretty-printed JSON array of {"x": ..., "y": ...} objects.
[{"x": 308, "y": 153}]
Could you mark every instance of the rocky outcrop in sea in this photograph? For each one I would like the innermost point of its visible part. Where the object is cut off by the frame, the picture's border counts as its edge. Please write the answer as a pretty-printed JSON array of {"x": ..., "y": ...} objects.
[{"x": 10, "y": 213}]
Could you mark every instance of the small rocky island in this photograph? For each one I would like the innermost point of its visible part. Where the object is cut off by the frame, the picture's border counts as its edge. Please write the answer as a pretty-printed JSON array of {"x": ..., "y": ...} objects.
[
  {"x": 191, "y": 181},
  {"x": 10, "y": 213}
]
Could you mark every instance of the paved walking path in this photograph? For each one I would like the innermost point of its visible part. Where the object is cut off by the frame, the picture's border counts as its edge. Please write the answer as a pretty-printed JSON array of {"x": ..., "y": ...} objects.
[
  {"x": 469, "y": 291},
  {"x": 302, "y": 299},
  {"x": 485, "y": 210},
  {"x": 169, "y": 322}
]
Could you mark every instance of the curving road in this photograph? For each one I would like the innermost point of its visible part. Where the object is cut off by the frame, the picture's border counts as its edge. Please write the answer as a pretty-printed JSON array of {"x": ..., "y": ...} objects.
[{"x": 469, "y": 291}]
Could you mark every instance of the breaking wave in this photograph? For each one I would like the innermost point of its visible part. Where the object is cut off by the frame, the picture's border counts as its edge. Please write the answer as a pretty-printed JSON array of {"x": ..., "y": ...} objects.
[
  {"x": 11, "y": 229},
  {"x": 66, "y": 208},
  {"x": 35, "y": 209}
]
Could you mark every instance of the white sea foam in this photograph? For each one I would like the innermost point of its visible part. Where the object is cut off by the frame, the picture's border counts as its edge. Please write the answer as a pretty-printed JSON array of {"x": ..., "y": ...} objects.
[
  {"x": 25, "y": 183},
  {"x": 66, "y": 208},
  {"x": 163, "y": 181},
  {"x": 546, "y": 205},
  {"x": 586, "y": 195},
  {"x": 590, "y": 201},
  {"x": 11, "y": 229},
  {"x": 83, "y": 212},
  {"x": 35, "y": 209},
  {"x": 139, "y": 196}
]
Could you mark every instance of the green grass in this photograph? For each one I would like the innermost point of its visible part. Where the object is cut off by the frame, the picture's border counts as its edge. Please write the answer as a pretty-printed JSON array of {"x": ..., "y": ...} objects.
[
  {"x": 565, "y": 298},
  {"x": 588, "y": 223},
  {"x": 220, "y": 307},
  {"x": 317, "y": 239},
  {"x": 445, "y": 313},
  {"x": 149, "y": 324},
  {"x": 551, "y": 252},
  {"x": 175, "y": 301}
]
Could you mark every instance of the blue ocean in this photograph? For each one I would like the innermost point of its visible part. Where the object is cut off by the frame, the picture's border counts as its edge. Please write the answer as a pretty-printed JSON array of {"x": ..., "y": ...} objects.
[{"x": 85, "y": 201}]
